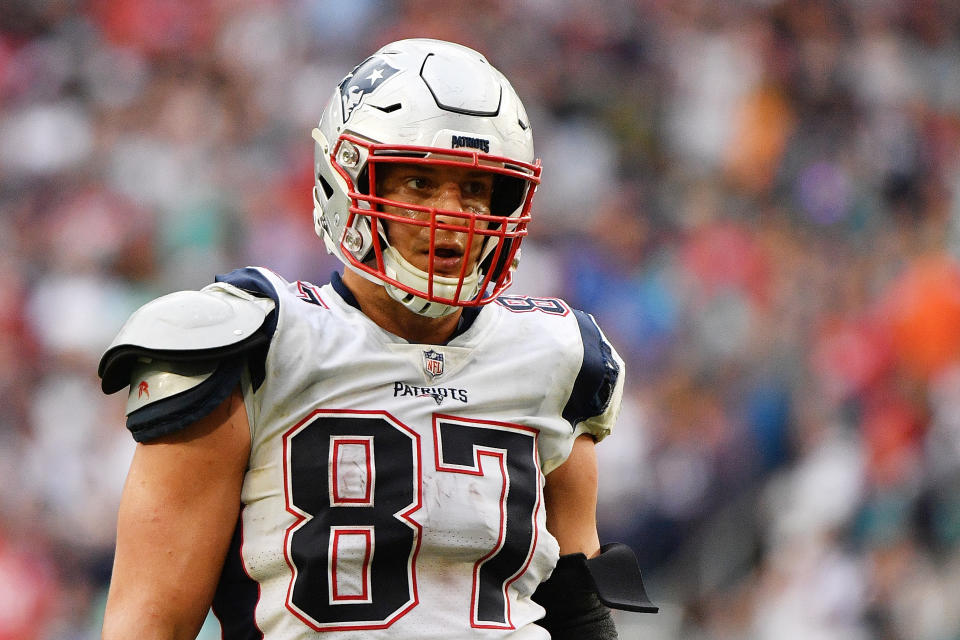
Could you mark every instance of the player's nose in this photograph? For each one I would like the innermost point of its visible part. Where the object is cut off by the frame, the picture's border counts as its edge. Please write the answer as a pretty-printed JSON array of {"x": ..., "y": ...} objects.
[{"x": 449, "y": 197}]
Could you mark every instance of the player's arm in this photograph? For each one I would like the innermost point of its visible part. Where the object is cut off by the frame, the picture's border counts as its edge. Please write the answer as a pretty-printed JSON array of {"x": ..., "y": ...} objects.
[
  {"x": 183, "y": 357},
  {"x": 588, "y": 577},
  {"x": 177, "y": 515},
  {"x": 570, "y": 497},
  {"x": 573, "y": 610}
]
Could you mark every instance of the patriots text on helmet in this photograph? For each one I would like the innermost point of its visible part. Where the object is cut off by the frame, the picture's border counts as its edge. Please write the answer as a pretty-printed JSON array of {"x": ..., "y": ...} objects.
[{"x": 460, "y": 142}]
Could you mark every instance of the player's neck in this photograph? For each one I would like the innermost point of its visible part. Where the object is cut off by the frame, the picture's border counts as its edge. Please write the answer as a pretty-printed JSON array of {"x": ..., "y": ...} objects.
[{"x": 392, "y": 316}]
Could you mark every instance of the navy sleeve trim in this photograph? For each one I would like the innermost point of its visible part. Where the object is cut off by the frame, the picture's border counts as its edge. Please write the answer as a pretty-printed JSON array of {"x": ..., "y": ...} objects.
[
  {"x": 175, "y": 413},
  {"x": 253, "y": 281},
  {"x": 597, "y": 377}
]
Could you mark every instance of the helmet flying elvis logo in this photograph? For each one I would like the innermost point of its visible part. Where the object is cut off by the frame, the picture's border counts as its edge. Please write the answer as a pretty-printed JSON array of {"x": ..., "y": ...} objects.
[
  {"x": 369, "y": 75},
  {"x": 143, "y": 388}
]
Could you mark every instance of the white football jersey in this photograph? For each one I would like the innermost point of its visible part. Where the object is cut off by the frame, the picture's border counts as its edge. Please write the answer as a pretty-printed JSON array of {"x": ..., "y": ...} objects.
[{"x": 395, "y": 490}]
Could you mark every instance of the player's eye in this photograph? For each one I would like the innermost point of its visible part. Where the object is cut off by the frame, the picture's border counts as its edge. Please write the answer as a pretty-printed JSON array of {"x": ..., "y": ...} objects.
[
  {"x": 417, "y": 183},
  {"x": 475, "y": 188}
]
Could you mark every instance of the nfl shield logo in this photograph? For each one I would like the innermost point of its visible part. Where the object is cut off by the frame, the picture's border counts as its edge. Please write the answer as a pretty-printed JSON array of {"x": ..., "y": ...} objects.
[{"x": 433, "y": 362}]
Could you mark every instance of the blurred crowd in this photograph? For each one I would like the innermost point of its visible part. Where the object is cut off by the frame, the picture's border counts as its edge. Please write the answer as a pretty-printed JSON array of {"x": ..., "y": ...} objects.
[{"x": 758, "y": 200}]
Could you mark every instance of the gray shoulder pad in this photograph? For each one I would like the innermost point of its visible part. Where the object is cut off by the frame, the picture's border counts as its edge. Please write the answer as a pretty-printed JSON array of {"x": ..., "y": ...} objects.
[
  {"x": 209, "y": 324},
  {"x": 154, "y": 380}
]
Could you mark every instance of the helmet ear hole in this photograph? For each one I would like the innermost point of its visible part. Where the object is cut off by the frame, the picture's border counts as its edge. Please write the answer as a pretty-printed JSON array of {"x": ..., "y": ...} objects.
[
  {"x": 363, "y": 181},
  {"x": 327, "y": 189}
]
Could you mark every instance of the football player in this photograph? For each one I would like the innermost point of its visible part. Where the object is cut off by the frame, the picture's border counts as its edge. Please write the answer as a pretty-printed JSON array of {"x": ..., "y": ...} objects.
[{"x": 405, "y": 452}]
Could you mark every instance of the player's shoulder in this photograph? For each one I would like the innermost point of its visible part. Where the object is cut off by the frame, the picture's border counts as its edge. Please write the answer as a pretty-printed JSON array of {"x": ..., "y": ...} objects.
[
  {"x": 216, "y": 320},
  {"x": 554, "y": 326},
  {"x": 534, "y": 307},
  {"x": 286, "y": 294},
  {"x": 184, "y": 352},
  {"x": 550, "y": 315}
]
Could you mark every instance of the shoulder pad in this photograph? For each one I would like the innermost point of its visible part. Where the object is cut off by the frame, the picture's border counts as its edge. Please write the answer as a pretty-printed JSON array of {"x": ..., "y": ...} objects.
[
  {"x": 155, "y": 380},
  {"x": 216, "y": 321}
]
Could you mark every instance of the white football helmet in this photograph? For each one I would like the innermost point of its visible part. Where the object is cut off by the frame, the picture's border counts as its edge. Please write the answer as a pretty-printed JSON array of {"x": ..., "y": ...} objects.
[{"x": 424, "y": 101}]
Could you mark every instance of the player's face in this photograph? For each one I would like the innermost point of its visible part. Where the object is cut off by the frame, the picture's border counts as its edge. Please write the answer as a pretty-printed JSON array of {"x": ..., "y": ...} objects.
[{"x": 456, "y": 189}]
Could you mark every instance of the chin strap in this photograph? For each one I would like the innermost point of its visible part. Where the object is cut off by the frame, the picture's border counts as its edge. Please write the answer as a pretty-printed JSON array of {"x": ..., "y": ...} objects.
[{"x": 398, "y": 268}]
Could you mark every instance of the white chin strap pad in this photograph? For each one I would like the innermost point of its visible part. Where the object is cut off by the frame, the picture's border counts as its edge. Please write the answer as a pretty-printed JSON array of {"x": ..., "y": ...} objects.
[{"x": 398, "y": 268}]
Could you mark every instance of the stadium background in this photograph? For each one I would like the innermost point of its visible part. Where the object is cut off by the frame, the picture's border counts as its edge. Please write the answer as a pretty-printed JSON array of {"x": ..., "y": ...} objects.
[{"x": 757, "y": 199}]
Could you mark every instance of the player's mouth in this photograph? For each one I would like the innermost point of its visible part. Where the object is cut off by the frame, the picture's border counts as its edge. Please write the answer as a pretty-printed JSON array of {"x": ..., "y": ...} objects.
[{"x": 447, "y": 260}]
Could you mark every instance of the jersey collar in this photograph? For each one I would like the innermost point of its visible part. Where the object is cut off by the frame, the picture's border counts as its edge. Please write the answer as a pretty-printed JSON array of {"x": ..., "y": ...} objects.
[{"x": 466, "y": 321}]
